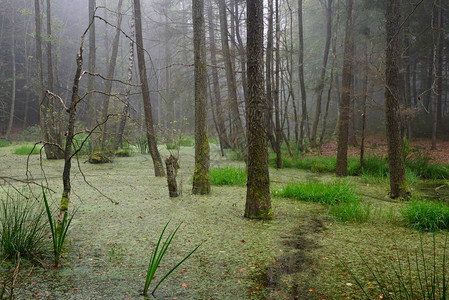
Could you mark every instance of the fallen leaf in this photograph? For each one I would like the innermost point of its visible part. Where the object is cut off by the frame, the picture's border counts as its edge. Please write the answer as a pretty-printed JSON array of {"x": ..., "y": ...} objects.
[{"x": 184, "y": 284}]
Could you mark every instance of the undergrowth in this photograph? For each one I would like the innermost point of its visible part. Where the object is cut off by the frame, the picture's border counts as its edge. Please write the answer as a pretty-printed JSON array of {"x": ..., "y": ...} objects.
[
  {"x": 228, "y": 176},
  {"x": 22, "y": 227},
  {"x": 426, "y": 215},
  {"x": 27, "y": 150}
]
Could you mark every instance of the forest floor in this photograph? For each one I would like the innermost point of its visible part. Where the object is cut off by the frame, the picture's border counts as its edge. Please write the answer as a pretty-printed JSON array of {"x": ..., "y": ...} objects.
[{"x": 301, "y": 254}]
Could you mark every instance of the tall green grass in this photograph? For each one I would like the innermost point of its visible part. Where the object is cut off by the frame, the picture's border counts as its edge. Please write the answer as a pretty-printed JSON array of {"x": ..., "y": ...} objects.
[
  {"x": 27, "y": 150},
  {"x": 22, "y": 227},
  {"x": 324, "y": 193},
  {"x": 426, "y": 215},
  {"x": 228, "y": 176},
  {"x": 353, "y": 212}
]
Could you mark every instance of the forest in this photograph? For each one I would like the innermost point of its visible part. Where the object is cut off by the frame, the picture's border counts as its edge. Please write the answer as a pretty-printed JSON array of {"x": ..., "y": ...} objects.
[{"x": 224, "y": 149}]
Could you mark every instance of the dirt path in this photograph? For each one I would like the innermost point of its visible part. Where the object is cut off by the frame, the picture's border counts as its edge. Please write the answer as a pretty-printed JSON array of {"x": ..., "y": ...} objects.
[{"x": 287, "y": 276}]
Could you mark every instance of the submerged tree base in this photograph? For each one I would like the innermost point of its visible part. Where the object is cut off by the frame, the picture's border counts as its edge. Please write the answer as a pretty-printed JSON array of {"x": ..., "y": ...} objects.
[{"x": 99, "y": 158}]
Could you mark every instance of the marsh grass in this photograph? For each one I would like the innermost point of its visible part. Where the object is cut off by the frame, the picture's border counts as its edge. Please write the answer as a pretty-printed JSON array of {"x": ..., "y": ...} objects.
[
  {"x": 26, "y": 150},
  {"x": 83, "y": 143},
  {"x": 325, "y": 193},
  {"x": 410, "y": 276},
  {"x": 426, "y": 215},
  {"x": 22, "y": 227},
  {"x": 158, "y": 255},
  {"x": 353, "y": 212},
  {"x": 228, "y": 176},
  {"x": 58, "y": 231}
]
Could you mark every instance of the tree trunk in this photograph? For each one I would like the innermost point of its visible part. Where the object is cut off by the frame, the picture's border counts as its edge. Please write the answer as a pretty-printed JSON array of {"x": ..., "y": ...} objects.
[
  {"x": 151, "y": 137},
  {"x": 91, "y": 111},
  {"x": 393, "y": 95},
  {"x": 201, "y": 177},
  {"x": 342, "y": 151},
  {"x": 111, "y": 71},
  {"x": 215, "y": 82},
  {"x": 171, "y": 164},
  {"x": 331, "y": 80},
  {"x": 304, "y": 118},
  {"x": 42, "y": 110},
  {"x": 125, "y": 112},
  {"x": 268, "y": 76},
  {"x": 322, "y": 78},
  {"x": 436, "y": 91},
  {"x": 239, "y": 135},
  {"x": 13, "y": 56},
  {"x": 365, "y": 96},
  {"x": 276, "y": 97},
  {"x": 258, "y": 202}
]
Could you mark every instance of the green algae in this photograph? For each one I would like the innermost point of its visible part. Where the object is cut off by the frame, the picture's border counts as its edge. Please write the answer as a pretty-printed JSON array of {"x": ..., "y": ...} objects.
[{"x": 288, "y": 256}]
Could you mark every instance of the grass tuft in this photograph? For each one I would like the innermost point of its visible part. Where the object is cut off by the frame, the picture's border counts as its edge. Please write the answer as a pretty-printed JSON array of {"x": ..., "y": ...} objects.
[
  {"x": 324, "y": 193},
  {"x": 27, "y": 150},
  {"x": 4, "y": 143},
  {"x": 22, "y": 227},
  {"x": 228, "y": 176},
  {"x": 353, "y": 212},
  {"x": 426, "y": 215}
]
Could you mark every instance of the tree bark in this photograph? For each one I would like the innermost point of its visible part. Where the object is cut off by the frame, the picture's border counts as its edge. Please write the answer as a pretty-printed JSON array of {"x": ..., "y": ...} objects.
[
  {"x": 125, "y": 112},
  {"x": 91, "y": 111},
  {"x": 14, "y": 79},
  {"x": 201, "y": 177},
  {"x": 393, "y": 96},
  {"x": 111, "y": 71},
  {"x": 304, "y": 118},
  {"x": 276, "y": 98},
  {"x": 436, "y": 90},
  {"x": 269, "y": 77},
  {"x": 171, "y": 164},
  {"x": 215, "y": 82},
  {"x": 239, "y": 135},
  {"x": 322, "y": 78},
  {"x": 342, "y": 150},
  {"x": 258, "y": 202},
  {"x": 151, "y": 137}
]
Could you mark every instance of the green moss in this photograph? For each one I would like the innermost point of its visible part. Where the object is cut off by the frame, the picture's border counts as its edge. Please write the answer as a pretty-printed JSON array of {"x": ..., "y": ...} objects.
[
  {"x": 122, "y": 153},
  {"x": 98, "y": 158},
  {"x": 64, "y": 202},
  {"x": 201, "y": 176}
]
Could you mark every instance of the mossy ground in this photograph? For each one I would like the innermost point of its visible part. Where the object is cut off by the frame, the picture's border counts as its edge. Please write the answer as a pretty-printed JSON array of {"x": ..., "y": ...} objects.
[{"x": 301, "y": 253}]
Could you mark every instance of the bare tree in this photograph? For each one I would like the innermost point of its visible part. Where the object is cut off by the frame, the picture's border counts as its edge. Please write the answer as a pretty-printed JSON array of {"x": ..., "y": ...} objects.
[
  {"x": 151, "y": 137},
  {"x": 91, "y": 113},
  {"x": 201, "y": 183},
  {"x": 304, "y": 119}
]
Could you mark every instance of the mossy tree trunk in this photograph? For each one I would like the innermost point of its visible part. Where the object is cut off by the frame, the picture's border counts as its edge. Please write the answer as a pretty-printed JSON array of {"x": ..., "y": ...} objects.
[
  {"x": 342, "y": 150},
  {"x": 258, "y": 201},
  {"x": 276, "y": 98},
  {"x": 393, "y": 96},
  {"x": 201, "y": 182},
  {"x": 151, "y": 136}
]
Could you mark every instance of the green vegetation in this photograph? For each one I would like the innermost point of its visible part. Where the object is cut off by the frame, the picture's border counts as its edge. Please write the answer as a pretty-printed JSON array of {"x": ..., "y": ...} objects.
[
  {"x": 27, "y": 150},
  {"x": 324, "y": 193},
  {"x": 228, "y": 176},
  {"x": 237, "y": 155},
  {"x": 123, "y": 153},
  {"x": 83, "y": 143},
  {"x": 22, "y": 227},
  {"x": 58, "y": 231},
  {"x": 142, "y": 144},
  {"x": 353, "y": 212},
  {"x": 426, "y": 215},
  {"x": 420, "y": 275},
  {"x": 157, "y": 256},
  {"x": 4, "y": 143}
]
